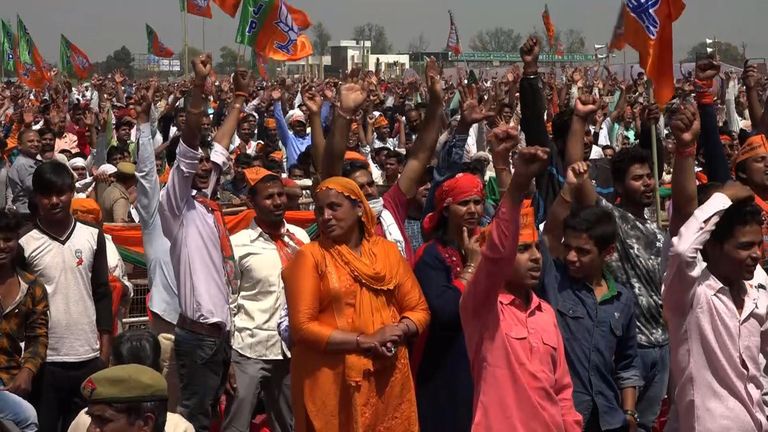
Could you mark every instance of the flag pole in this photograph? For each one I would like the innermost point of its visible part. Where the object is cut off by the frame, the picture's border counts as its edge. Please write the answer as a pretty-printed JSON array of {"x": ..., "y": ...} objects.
[
  {"x": 186, "y": 47},
  {"x": 655, "y": 156},
  {"x": 203, "y": 35}
]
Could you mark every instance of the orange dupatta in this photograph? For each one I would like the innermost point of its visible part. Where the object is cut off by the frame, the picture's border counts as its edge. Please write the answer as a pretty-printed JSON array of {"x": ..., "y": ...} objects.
[{"x": 375, "y": 269}]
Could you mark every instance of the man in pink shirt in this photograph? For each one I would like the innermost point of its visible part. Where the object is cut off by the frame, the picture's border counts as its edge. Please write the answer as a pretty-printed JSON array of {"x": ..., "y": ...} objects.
[
  {"x": 515, "y": 349},
  {"x": 716, "y": 318}
]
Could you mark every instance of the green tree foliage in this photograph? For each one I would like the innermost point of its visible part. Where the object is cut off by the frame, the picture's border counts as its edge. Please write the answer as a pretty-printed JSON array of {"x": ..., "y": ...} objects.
[
  {"x": 497, "y": 39},
  {"x": 728, "y": 53},
  {"x": 376, "y": 34}
]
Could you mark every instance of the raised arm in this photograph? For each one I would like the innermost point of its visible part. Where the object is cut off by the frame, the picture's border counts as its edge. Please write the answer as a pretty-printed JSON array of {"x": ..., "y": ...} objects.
[
  {"x": 715, "y": 162},
  {"x": 532, "y": 100},
  {"x": 585, "y": 106},
  {"x": 148, "y": 185},
  {"x": 685, "y": 128},
  {"x": 242, "y": 83},
  {"x": 315, "y": 105},
  {"x": 352, "y": 95},
  {"x": 424, "y": 147},
  {"x": 576, "y": 175},
  {"x": 751, "y": 79},
  {"x": 191, "y": 134}
]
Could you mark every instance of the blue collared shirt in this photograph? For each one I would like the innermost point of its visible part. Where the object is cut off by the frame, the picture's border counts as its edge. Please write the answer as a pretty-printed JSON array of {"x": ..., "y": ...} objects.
[{"x": 600, "y": 340}]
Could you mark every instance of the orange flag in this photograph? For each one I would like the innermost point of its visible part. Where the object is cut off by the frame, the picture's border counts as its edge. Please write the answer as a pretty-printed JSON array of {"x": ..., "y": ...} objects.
[
  {"x": 33, "y": 75},
  {"x": 273, "y": 28},
  {"x": 648, "y": 29},
  {"x": 229, "y": 7},
  {"x": 549, "y": 26}
]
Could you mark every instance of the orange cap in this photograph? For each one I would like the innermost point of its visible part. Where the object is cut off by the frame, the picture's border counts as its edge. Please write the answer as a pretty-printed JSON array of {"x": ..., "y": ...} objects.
[{"x": 756, "y": 145}]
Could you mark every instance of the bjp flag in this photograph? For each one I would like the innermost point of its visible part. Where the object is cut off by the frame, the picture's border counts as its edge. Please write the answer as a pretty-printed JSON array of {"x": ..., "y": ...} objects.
[
  {"x": 648, "y": 29},
  {"x": 155, "y": 47},
  {"x": 272, "y": 28},
  {"x": 201, "y": 8},
  {"x": 549, "y": 26},
  {"x": 229, "y": 7},
  {"x": 73, "y": 61}
]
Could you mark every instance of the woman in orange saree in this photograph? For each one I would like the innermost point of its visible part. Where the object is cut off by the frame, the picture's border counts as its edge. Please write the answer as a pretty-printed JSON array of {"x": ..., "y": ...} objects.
[{"x": 353, "y": 302}]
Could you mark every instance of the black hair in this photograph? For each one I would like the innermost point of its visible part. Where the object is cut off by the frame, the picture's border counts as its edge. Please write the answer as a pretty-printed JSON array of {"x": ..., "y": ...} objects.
[
  {"x": 135, "y": 411},
  {"x": 137, "y": 346},
  {"x": 244, "y": 159},
  {"x": 626, "y": 158},
  {"x": 561, "y": 126},
  {"x": 272, "y": 165},
  {"x": 80, "y": 155},
  {"x": 45, "y": 130},
  {"x": 52, "y": 177},
  {"x": 596, "y": 222},
  {"x": 3, "y": 145},
  {"x": 10, "y": 221},
  {"x": 382, "y": 149},
  {"x": 295, "y": 167},
  {"x": 123, "y": 122},
  {"x": 353, "y": 166},
  {"x": 739, "y": 214},
  {"x": 394, "y": 154},
  {"x": 113, "y": 151}
]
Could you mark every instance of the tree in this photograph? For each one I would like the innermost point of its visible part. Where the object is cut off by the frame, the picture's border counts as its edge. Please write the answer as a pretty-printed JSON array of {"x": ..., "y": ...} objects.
[
  {"x": 728, "y": 52},
  {"x": 497, "y": 39},
  {"x": 229, "y": 60},
  {"x": 573, "y": 41},
  {"x": 374, "y": 33},
  {"x": 419, "y": 44},
  {"x": 322, "y": 37},
  {"x": 120, "y": 59}
]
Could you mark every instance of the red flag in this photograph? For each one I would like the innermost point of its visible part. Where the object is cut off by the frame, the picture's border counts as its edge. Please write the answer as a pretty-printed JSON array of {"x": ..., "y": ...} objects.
[
  {"x": 549, "y": 27},
  {"x": 201, "y": 8},
  {"x": 617, "y": 38},
  {"x": 155, "y": 47},
  {"x": 454, "y": 44},
  {"x": 33, "y": 75},
  {"x": 229, "y": 7},
  {"x": 648, "y": 29},
  {"x": 261, "y": 66}
]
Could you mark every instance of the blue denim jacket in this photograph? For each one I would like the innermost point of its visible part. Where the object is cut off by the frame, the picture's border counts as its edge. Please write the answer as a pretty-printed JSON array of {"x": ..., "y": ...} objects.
[{"x": 600, "y": 340}]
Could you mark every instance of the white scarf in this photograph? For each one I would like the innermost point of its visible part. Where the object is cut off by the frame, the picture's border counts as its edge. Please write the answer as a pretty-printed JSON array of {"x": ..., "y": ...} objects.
[{"x": 388, "y": 224}]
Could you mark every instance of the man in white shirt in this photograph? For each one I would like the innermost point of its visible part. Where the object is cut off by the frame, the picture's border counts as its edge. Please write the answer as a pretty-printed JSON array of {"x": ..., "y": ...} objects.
[
  {"x": 201, "y": 253},
  {"x": 70, "y": 259},
  {"x": 260, "y": 360}
]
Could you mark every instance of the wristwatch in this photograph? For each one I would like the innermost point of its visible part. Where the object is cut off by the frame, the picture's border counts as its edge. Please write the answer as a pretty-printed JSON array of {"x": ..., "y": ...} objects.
[{"x": 631, "y": 413}]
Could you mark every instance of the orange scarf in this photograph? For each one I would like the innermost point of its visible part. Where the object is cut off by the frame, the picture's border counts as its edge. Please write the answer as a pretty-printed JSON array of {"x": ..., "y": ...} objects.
[
  {"x": 375, "y": 269},
  {"x": 227, "y": 254}
]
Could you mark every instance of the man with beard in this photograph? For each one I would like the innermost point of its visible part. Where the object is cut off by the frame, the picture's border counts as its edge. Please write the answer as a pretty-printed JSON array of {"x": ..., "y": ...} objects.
[{"x": 260, "y": 360}]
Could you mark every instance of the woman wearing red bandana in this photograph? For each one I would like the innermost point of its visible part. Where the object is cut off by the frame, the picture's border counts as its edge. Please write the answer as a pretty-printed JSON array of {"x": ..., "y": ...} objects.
[{"x": 443, "y": 267}]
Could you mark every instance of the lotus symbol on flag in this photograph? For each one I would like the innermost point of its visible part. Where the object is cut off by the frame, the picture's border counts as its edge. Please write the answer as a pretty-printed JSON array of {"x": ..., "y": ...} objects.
[
  {"x": 645, "y": 12},
  {"x": 200, "y": 4},
  {"x": 80, "y": 61},
  {"x": 285, "y": 24}
]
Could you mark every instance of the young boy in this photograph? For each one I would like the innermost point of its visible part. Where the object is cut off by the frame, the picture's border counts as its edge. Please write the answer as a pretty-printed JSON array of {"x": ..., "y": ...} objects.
[
  {"x": 716, "y": 318},
  {"x": 70, "y": 259},
  {"x": 515, "y": 350},
  {"x": 594, "y": 312}
]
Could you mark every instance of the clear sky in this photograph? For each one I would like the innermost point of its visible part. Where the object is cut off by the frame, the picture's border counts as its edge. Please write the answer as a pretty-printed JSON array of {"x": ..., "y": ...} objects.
[{"x": 101, "y": 26}]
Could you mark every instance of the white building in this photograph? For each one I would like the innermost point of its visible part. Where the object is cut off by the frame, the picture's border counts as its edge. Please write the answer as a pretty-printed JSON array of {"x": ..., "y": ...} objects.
[{"x": 347, "y": 54}]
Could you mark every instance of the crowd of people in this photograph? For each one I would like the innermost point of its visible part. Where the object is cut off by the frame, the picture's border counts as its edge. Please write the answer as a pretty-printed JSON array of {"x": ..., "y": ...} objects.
[{"x": 491, "y": 254}]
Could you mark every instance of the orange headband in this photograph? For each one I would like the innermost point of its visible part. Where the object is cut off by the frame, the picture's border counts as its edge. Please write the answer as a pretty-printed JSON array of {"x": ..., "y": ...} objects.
[
  {"x": 755, "y": 146},
  {"x": 528, "y": 232}
]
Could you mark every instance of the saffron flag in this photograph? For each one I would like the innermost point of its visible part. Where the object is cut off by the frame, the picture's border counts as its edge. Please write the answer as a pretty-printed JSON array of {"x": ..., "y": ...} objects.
[
  {"x": 155, "y": 47},
  {"x": 73, "y": 60},
  {"x": 29, "y": 66},
  {"x": 549, "y": 27},
  {"x": 229, "y": 7},
  {"x": 7, "y": 48},
  {"x": 201, "y": 8},
  {"x": 272, "y": 28},
  {"x": 648, "y": 29},
  {"x": 454, "y": 44}
]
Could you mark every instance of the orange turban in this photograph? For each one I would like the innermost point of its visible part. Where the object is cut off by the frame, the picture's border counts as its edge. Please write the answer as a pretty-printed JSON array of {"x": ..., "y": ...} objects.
[
  {"x": 452, "y": 191},
  {"x": 380, "y": 122},
  {"x": 254, "y": 175},
  {"x": 270, "y": 123},
  {"x": 86, "y": 210},
  {"x": 351, "y": 155},
  {"x": 755, "y": 146},
  {"x": 528, "y": 232},
  {"x": 277, "y": 155}
]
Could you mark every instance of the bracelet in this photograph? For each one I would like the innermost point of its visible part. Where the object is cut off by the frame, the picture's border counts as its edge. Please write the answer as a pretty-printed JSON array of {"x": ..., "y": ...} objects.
[
  {"x": 531, "y": 76},
  {"x": 631, "y": 413},
  {"x": 469, "y": 268},
  {"x": 569, "y": 200},
  {"x": 241, "y": 94},
  {"x": 501, "y": 168},
  {"x": 687, "y": 152},
  {"x": 344, "y": 115}
]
